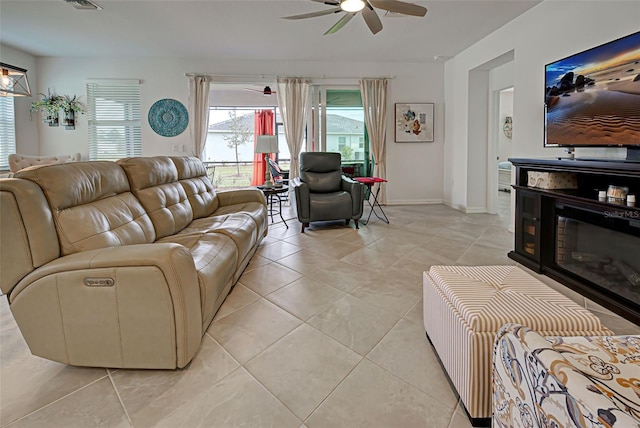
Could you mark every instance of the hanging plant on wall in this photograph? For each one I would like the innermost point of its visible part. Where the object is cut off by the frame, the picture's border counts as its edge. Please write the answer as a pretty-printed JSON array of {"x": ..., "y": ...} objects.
[
  {"x": 71, "y": 106},
  {"x": 49, "y": 106}
]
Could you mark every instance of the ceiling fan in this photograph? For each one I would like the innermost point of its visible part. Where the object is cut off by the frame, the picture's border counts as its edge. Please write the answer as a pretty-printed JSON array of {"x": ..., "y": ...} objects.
[
  {"x": 352, "y": 7},
  {"x": 267, "y": 92}
]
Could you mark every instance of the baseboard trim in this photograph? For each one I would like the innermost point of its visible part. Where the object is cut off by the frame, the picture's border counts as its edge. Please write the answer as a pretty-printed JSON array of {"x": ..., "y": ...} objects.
[{"x": 415, "y": 202}]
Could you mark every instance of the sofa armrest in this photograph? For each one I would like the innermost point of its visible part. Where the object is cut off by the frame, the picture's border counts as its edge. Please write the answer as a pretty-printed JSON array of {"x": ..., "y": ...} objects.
[
  {"x": 356, "y": 190},
  {"x": 303, "y": 199},
  {"x": 129, "y": 306},
  {"x": 233, "y": 197}
]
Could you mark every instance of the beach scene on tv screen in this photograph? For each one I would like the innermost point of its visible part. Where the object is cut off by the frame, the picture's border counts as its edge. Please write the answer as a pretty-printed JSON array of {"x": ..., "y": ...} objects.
[{"x": 593, "y": 98}]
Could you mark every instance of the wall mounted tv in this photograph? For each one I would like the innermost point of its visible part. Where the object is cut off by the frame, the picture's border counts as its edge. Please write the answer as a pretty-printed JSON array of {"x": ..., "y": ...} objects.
[{"x": 592, "y": 98}]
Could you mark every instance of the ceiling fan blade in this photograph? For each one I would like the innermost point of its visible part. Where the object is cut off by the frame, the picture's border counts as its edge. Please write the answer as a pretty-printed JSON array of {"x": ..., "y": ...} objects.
[
  {"x": 313, "y": 14},
  {"x": 371, "y": 18},
  {"x": 341, "y": 23},
  {"x": 329, "y": 2},
  {"x": 400, "y": 7}
]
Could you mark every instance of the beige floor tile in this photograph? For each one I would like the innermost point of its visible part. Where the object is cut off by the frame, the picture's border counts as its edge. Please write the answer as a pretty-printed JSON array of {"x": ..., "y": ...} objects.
[
  {"x": 406, "y": 352},
  {"x": 236, "y": 401},
  {"x": 268, "y": 278},
  {"x": 416, "y": 314},
  {"x": 484, "y": 255},
  {"x": 393, "y": 245},
  {"x": 305, "y": 261},
  {"x": 28, "y": 383},
  {"x": 256, "y": 262},
  {"x": 277, "y": 250},
  {"x": 459, "y": 419},
  {"x": 239, "y": 297},
  {"x": 344, "y": 276},
  {"x": 367, "y": 258},
  {"x": 397, "y": 299},
  {"x": 93, "y": 406},
  {"x": 355, "y": 323},
  {"x": 6, "y": 317},
  {"x": 303, "y": 368},
  {"x": 305, "y": 297},
  {"x": 334, "y": 248},
  {"x": 252, "y": 329},
  {"x": 151, "y": 395},
  {"x": 371, "y": 396}
]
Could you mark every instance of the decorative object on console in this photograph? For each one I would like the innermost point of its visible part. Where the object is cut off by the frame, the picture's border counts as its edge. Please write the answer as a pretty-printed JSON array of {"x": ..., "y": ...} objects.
[
  {"x": 267, "y": 144},
  {"x": 168, "y": 117},
  {"x": 49, "y": 106},
  {"x": 414, "y": 123},
  {"x": 552, "y": 180},
  {"x": 507, "y": 128},
  {"x": 617, "y": 193},
  {"x": 14, "y": 81}
]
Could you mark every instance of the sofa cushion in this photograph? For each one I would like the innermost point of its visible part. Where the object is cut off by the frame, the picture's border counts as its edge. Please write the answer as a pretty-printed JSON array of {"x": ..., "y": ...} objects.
[
  {"x": 92, "y": 205},
  {"x": 154, "y": 181},
  {"x": 192, "y": 175},
  {"x": 214, "y": 256},
  {"x": 255, "y": 210}
]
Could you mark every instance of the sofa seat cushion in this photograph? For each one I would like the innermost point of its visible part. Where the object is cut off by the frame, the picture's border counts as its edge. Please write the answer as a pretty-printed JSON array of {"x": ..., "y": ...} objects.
[
  {"x": 214, "y": 256},
  {"x": 239, "y": 227},
  {"x": 256, "y": 210},
  {"x": 488, "y": 297},
  {"x": 331, "y": 206}
]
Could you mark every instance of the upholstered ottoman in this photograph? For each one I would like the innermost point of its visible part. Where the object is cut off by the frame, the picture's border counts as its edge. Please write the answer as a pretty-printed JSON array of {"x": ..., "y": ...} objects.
[{"x": 465, "y": 306}]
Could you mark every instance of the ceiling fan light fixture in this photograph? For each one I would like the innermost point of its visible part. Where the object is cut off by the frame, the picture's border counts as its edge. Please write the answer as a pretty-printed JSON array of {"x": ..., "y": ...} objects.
[
  {"x": 352, "y": 6},
  {"x": 267, "y": 91}
]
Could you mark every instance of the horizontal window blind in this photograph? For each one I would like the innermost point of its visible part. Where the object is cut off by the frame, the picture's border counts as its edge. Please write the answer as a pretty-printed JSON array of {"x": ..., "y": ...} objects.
[
  {"x": 7, "y": 131},
  {"x": 114, "y": 119}
]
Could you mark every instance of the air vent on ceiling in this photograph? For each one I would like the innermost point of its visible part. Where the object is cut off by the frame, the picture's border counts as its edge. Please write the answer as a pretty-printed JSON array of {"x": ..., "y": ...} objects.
[{"x": 83, "y": 4}]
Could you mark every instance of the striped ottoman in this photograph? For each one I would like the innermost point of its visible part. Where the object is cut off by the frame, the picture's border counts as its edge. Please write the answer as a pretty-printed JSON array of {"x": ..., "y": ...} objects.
[{"x": 465, "y": 306}]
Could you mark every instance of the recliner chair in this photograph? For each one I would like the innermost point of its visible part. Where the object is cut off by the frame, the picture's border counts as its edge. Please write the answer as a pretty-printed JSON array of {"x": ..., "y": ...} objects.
[{"x": 323, "y": 193}]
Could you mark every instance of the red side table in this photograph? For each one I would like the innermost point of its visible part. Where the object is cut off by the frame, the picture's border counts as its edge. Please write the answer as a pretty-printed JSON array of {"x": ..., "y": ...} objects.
[{"x": 370, "y": 182}]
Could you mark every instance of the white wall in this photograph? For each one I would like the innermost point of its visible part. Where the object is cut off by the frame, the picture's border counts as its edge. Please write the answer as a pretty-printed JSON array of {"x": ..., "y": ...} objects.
[
  {"x": 414, "y": 171},
  {"x": 551, "y": 30},
  {"x": 26, "y": 131},
  {"x": 506, "y": 110}
]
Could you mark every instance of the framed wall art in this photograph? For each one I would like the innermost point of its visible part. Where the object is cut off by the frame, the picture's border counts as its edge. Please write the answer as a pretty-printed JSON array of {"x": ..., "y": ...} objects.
[{"x": 414, "y": 122}]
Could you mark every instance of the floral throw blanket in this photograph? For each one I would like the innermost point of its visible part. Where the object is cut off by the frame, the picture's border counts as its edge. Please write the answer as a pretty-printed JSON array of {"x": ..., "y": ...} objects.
[{"x": 565, "y": 381}]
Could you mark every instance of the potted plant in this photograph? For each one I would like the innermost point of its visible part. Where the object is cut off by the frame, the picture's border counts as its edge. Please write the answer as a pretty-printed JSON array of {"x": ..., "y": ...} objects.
[
  {"x": 49, "y": 106},
  {"x": 71, "y": 106}
]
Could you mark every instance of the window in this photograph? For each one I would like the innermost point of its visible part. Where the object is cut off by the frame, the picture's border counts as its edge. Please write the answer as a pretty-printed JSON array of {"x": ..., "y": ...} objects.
[
  {"x": 114, "y": 119},
  {"x": 7, "y": 131}
]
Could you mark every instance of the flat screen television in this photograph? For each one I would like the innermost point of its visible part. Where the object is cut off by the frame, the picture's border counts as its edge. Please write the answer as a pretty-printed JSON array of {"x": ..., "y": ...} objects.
[{"x": 592, "y": 98}]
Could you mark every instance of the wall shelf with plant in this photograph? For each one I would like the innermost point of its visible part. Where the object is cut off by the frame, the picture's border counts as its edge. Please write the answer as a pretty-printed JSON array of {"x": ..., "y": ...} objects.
[{"x": 51, "y": 104}]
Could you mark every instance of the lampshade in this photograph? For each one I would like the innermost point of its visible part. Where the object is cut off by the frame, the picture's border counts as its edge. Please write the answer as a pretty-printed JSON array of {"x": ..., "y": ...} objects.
[
  {"x": 267, "y": 144},
  {"x": 352, "y": 5},
  {"x": 13, "y": 81}
]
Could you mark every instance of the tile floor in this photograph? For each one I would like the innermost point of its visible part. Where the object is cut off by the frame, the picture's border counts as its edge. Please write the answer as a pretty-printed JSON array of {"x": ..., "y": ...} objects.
[{"x": 324, "y": 329}]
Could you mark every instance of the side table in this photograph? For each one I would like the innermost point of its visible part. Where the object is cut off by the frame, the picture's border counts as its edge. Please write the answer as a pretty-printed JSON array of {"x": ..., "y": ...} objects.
[
  {"x": 370, "y": 182},
  {"x": 272, "y": 193}
]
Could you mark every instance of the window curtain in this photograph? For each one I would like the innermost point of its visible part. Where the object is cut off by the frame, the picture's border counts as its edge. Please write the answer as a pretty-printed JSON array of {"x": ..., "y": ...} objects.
[
  {"x": 199, "y": 112},
  {"x": 293, "y": 101},
  {"x": 263, "y": 126},
  {"x": 374, "y": 104}
]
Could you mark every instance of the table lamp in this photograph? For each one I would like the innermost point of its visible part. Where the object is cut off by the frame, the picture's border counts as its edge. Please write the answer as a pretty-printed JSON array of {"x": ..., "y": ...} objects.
[{"x": 267, "y": 144}]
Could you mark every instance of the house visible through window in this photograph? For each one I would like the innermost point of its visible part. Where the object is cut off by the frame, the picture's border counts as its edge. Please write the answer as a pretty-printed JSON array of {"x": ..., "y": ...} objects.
[
  {"x": 7, "y": 131},
  {"x": 114, "y": 119}
]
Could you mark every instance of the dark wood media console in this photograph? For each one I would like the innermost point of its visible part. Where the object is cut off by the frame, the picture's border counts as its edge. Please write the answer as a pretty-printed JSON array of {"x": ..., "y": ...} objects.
[{"x": 589, "y": 244}]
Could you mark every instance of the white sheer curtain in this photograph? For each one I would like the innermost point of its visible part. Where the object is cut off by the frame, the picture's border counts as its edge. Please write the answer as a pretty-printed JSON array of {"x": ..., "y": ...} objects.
[
  {"x": 199, "y": 112},
  {"x": 293, "y": 101},
  {"x": 374, "y": 103}
]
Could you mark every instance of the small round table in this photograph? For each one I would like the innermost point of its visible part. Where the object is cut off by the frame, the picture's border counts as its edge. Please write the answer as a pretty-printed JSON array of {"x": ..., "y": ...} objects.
[{"x": 271, "y": 193}]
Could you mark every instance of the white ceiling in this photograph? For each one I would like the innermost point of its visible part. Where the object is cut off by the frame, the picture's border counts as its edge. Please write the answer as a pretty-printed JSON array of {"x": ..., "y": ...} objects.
[{"x": 246, "y": 29}]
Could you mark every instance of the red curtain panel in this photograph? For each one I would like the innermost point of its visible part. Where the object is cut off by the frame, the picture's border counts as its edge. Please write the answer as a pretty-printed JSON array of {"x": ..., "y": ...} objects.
[{"x": 264, "y": 124}]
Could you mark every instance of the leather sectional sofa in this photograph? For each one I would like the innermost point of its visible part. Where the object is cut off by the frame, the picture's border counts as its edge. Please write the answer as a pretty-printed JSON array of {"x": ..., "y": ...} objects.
[{"x": 122, "y": 264}]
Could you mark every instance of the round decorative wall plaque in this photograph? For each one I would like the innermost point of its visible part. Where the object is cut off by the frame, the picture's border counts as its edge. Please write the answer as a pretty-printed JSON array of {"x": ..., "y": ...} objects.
[{"x": 168, "y": 117}]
